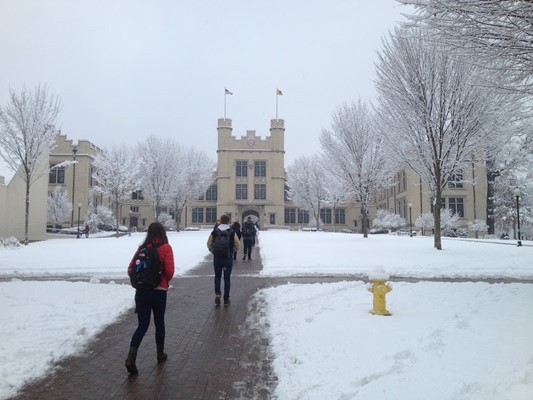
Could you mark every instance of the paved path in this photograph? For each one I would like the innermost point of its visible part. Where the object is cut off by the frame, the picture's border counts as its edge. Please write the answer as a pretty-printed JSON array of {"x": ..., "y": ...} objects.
[{"x": 214, "y": 353}]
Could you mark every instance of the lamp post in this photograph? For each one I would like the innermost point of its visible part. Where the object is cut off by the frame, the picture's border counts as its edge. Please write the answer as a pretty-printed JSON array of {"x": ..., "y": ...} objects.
[
  {"x": 517, "y": 193},
  {"x": 410, "y": 220},
  {"x": 78, "y": 232},
  {"x": 74, "y": 151}
]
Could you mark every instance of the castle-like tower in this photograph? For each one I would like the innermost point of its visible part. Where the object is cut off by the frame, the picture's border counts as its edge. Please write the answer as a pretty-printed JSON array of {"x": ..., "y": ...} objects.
[{"x": 250, "y": 175}]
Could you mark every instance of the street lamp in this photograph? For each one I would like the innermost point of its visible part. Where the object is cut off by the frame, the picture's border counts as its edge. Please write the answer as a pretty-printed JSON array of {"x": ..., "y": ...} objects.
[
  {"x": 410, "y": 220},
  {"x": 78, "y": 232},
  {"x": 517, "y": 193},
  {"x": 74, "y": 151}
]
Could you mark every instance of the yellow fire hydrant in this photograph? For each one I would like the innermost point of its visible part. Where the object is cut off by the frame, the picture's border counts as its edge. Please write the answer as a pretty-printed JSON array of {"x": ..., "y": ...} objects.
[{"x": 379, "y": 289}]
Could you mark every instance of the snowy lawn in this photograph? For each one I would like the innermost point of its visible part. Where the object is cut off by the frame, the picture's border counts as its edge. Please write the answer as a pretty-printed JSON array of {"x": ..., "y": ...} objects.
[{"x": 444, "y": 340}]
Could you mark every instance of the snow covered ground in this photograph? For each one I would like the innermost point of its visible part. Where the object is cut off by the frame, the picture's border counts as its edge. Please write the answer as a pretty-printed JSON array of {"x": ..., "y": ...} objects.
[{"x": 443, "y": 341}]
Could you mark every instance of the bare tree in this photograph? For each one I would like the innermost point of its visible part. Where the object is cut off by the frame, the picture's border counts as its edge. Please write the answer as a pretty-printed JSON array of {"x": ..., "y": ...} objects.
[
  {"x": 497, "y": 33},
  {"x": 116, "y": 174},
  {"x": 307, "y": 185},
  {"x": 27, "y": 134},
  {"x": 59, "y": 206},
  {"x": 435, "y": 117},
  {"x": 159, "y": 165},
  {"x": 354, "y": 154},
  {"x": 195, "y": 173}
]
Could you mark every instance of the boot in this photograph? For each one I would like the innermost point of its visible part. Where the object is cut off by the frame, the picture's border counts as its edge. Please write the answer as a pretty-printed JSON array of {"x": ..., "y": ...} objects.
[
  {"x": 161, "y": 355},
  {"x": 130, "y": 361}
]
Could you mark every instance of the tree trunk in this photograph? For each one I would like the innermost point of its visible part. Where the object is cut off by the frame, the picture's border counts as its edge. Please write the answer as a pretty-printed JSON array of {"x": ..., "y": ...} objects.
[
  {"x": 365, "y": 223},
  {"x": 491, "y": 178},
  {"x": 27, "y": 213},
  {"x": 118, "y": 216},
  {"x": 437, "y": 242}
]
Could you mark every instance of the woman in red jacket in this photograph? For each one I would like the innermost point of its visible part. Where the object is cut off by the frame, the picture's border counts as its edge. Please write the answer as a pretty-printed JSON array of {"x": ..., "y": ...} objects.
[{"x": 152, "y": 300}]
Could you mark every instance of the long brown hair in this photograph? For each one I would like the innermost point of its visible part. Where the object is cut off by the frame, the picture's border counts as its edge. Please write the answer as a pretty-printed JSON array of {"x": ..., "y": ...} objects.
[{"x": 156, "y": 230}]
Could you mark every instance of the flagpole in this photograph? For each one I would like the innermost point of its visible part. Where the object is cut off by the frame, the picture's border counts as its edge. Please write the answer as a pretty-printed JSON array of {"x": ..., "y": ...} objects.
[
  {"x": 276, "y": 104},
  {"x": 225, "y": 93}
]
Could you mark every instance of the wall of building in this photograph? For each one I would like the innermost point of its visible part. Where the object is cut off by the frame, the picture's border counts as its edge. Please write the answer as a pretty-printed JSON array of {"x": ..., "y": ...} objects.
[{"x": 13, "y": 205}]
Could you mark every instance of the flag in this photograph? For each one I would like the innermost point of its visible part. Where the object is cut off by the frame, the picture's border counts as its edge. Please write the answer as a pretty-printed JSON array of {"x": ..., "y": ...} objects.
[
  {"x": 278, "y": 92},
  {"x": 226, "y": 91}
]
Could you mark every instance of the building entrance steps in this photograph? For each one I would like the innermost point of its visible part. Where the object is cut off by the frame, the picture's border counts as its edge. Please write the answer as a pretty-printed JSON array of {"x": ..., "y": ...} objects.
[{"x": 214, "y": 353}]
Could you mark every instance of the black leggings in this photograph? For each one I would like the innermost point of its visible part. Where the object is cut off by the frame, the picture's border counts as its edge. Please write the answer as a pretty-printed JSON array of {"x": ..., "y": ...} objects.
[{"x": 147, "y": 301}]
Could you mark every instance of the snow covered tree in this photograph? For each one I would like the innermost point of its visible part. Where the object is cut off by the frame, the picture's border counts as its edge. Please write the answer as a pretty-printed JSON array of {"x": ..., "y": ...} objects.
[
  {"x": 478, "y": 225},
  {"x": 59, "y": 206},
  {"x": 496, "y": 35},
  {"x": 159, "y": 164},
  {"x": 425, "y": 221},
  {"x": 116, "y": 174},
  {"x": 91, "y": 218},
  {"x": 306, "y": 182},
  {"x": 104, "y": 215},
  {"x": 166, "y": 220},
  {"x": 434, "y": 114},
  {"x": 388, "y": 220},
  {"x": 449, "y": 220},
  {"x": 194, "y": 174},
  {"x": 336, "y": 193},
  {"x": 354, "y": 154},
  {"x": 27, "y": 134}
]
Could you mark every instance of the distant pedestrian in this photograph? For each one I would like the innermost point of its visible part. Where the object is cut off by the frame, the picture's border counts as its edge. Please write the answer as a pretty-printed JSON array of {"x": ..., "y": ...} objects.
[
  {"x": 237, "y": 229},
  {"x": 221, "y": 242},
  {"x": 152, "y": 300},
  {"x": 248, "y": 238},
  {"x": 86, "y": 231}
]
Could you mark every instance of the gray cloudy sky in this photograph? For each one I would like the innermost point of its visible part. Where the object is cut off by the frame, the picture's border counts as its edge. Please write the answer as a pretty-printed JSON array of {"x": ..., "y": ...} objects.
[{"x": 126, "y": 69}]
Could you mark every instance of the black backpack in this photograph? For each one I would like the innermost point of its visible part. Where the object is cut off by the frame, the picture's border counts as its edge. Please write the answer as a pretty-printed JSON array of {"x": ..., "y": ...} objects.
[
  {"x": 248, "y": 229},
  {"x": 146, "y": 272},
  {"x": 222, "y": 243}
]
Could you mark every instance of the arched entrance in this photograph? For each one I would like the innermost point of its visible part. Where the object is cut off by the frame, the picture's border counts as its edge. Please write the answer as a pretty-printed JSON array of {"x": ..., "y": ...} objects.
[{"x": 253, "y": 214}]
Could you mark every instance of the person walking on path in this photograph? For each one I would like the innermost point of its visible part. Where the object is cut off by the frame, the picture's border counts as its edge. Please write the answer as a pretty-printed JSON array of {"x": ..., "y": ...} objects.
[
  {"x": 152, "y": 300},
  {"x": 221, "y": 242},
  {"x": 237, "y": 229},
  {"x": 248, "y": 238},
  {"x": 86, "y": 231}
]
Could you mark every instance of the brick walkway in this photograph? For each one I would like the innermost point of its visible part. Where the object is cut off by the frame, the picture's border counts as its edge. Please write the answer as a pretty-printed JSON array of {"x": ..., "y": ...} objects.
[{"x": 214, "y": 353}]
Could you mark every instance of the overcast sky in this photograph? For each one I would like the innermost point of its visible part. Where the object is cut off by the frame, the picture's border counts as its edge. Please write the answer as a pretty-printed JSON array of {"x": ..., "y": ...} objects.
[{"x": 126, "y": 69}]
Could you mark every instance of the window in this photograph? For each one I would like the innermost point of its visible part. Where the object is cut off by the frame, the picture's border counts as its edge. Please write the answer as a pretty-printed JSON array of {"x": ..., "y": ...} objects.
[
  {"x": 456, "y": 206},
  {"x": 241, "y": 191},
  {"x": 272, "y": 218},
  {"x": 325, "y": 215},
  {"x": 211, "y": 214},
  {"x": 260, "y": 168},
  {"x": 290, "y": 215},
  {"x": 198, "y": 214},
  {"x": 456, "y": 180},
  {"x": 303, "y": 216},
  {"x": 211, "y": 193},
  {"x": 260, "y": 191},
  {"x": 241, "y": 168},
  {"x": 402, "y": 181},
  {"x": 286, "y": 196},
  {"x": 340, "y": 216},
  {"x": 137, "y": 195},
  {"x": 57, "y": 174},
  {"x": 134, "y": 209}
]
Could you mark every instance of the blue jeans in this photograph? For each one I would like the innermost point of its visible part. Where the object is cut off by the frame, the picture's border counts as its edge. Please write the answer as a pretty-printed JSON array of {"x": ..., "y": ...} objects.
[
  {"x": 248, "y": 243},
  {"x": 147, "y": 301},
  {"x": 223, "y": 264}
]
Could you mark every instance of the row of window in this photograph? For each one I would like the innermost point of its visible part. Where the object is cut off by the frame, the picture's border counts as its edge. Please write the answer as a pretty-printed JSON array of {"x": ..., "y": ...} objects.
[
  {"x": 295, "y": 215},
  {"x": 241, "y": 168},
  {"x": 241, "y": 191},
  {"x": 202, "y": 215}
]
